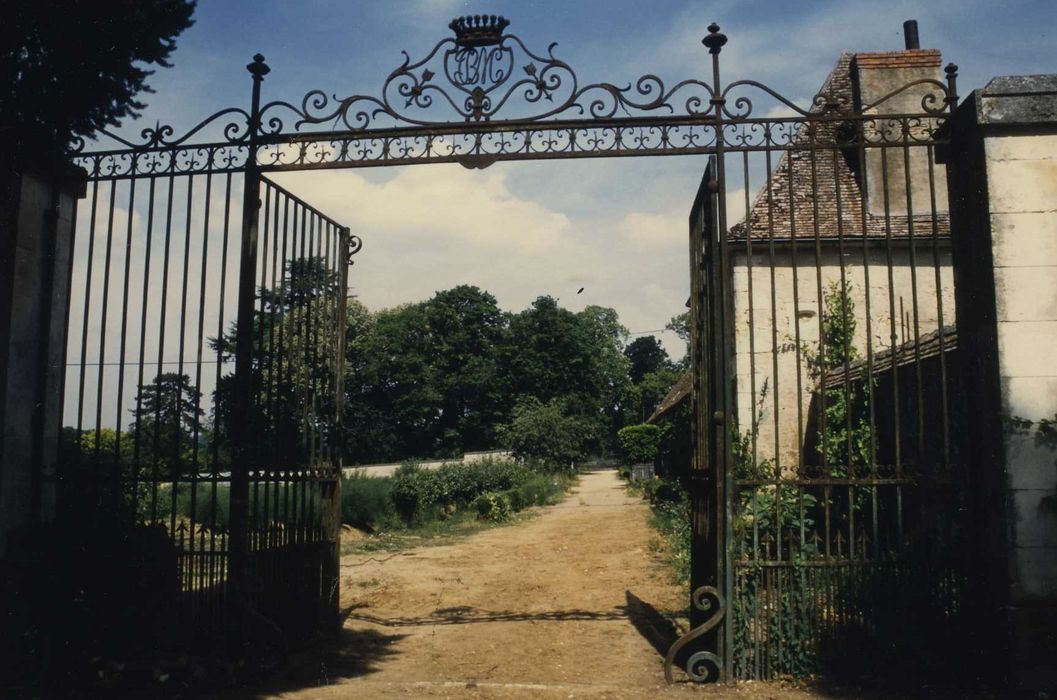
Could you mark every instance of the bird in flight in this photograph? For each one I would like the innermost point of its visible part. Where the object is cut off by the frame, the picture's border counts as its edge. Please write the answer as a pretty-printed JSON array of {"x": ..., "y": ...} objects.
[{"x": 581, "y": 290}]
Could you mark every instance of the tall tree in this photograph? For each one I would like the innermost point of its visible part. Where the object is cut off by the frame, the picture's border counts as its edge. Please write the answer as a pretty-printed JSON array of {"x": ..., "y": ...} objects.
[
  {"x": 464, "y": 330},
  {"x": 167, "y": 418},
  {"x": 680, "y": 325},
  {"x": 549, "y": 356},
  {"x": 70, "y": 67},
  {"x": 645, "y": 355},
  {"x": 393, "y": 402},
  {"x": 295, "y": 343}
]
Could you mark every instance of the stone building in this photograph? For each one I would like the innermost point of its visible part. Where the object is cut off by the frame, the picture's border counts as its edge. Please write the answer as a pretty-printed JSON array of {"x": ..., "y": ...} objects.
[{"x": 867, "y": 216}]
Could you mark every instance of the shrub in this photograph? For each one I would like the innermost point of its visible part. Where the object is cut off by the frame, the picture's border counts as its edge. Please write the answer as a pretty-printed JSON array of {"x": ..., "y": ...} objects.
[
  {"x": 660, "y": 491},
  {"x": 415, "y": 491},
  {"x": 545, "y": 433},
  {"x": 537, "y": 490},
  {"x": 405, "y": 491},
  {"x": 639, "y": 443},
  {"x": 493, "y": 506},
  {"x": 671, "y": 517},
  {"x": 366, "y": 500}
]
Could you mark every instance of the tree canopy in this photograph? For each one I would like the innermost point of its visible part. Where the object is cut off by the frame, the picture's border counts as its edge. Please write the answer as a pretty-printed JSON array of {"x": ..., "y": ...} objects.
[
  {"x": 71, "y": 67},
  {"x": 442, "y": 376},
  {"x": 645, "y": 355},
  {"x": 430, "y": 379}
]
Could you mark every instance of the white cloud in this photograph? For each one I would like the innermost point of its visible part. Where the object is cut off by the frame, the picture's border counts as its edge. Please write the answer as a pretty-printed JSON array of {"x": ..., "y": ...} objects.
[{"x": 430, "y": 228}]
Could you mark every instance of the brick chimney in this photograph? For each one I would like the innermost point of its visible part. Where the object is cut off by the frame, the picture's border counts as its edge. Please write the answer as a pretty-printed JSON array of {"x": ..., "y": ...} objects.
[{"x": 875, "y": 75}]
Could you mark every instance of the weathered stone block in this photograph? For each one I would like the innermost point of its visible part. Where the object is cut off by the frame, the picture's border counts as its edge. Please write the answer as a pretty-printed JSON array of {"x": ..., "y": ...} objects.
[
  {"x": 1021, "y": 345},
  {"x": 1024, "y": 239},
  {"x": 1022, "y": 185},
  {"x": 1030, "y": 466},
  {"x": 1026, "y": 293},
  {"x": 1035, "y": 519},
  {"x": 1035, "y": 573}
]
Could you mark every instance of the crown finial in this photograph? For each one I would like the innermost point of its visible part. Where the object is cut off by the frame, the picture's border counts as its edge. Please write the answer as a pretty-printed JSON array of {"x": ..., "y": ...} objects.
[
  {"x": 715, "y": 39},
  {"x": 478, "y": 30}
]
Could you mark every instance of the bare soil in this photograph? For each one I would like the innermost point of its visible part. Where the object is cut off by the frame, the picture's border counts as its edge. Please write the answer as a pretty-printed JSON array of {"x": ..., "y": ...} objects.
[{"x": 573, "y": 603}]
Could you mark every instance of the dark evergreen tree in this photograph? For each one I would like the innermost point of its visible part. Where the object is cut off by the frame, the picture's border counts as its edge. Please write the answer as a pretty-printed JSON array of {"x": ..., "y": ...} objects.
[
  {"x": 645, "y": 355},
  {"x": 167, "y": 422},
  {"x": 71, "y": 67}
]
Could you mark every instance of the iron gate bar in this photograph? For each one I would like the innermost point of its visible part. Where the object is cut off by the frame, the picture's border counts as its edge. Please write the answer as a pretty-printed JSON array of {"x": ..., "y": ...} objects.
[{"x": 284, "y": 501}]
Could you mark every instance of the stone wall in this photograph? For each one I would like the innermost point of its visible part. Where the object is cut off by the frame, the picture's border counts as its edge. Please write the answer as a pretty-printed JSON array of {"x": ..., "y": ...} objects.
[
  {"x": 1002, "y": 166},
  {"x": 1022, "y": 182},
  {"x": 34, "y": 268},
  {"x": 767, "y": 364}
]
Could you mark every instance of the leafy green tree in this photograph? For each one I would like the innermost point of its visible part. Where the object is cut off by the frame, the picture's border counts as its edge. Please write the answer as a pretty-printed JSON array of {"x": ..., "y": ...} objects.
[
  {"x": 607, "y": 337},
  {"x": 396, "y": 387},
  {"x": 556, "y": 354},
  {"x": 549, "y": 434},
  {"x": 426, "y": 378},
  {"x": 654, "y": 387},
  {"x": 70, "y": 67},
  {"x": 680, "y": 325},
  {"x": 645, "y": 355},
  {"x": 549, "y": 354},
  {"x": 295, "y": 344},
  {"x": 464, "y": 330}
]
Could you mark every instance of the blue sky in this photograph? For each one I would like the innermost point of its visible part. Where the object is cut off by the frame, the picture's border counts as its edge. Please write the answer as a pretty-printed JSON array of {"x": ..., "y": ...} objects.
[{"x": 616, "y": 227}]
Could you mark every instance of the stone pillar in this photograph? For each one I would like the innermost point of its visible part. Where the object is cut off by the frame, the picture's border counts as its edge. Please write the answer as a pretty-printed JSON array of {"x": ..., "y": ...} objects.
[
  {"x": 37, "y": 215},
  {"x": 1002, "y": 170}
]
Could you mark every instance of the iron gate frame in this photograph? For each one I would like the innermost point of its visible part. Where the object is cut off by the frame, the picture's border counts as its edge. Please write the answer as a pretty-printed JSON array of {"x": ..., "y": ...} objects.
[{"x": 648, "y": 118}]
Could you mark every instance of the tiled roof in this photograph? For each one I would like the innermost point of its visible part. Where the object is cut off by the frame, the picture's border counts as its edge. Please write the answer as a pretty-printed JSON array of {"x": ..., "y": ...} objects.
[
  {"x": 679, "y": 392},
  {"x": 826, "y": 196},
  {"x": 923, "y": 347}
]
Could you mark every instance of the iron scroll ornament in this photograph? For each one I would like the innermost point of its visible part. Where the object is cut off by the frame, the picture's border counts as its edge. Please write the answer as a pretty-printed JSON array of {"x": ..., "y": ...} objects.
[
  {"x": 476, "y": 74},
  {"x": 483, "y": 96},
  {"x": 700, "y": 664}
]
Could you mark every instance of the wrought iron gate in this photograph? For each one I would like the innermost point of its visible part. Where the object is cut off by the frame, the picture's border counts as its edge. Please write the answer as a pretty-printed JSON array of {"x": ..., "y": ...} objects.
[
  {"x": 826, "y": 483},
  {"x": 827, "y": 489},
  {"x": 169, "y": 279}
]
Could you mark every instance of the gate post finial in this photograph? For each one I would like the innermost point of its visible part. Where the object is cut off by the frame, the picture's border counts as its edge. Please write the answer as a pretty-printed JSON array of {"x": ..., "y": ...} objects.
[
  {"x": 715, "y": 39},
  {"x": 952, "y": 85},
  {"x": 258, "y": 69}
]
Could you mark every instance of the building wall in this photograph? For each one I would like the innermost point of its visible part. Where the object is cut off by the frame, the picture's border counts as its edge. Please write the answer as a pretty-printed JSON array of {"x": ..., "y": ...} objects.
[
  {"x": 1002, "y": 168},
  {"x": 767, "y": 363},
  {"x": 1022, "y": 181},
  {"x": 37, "y": 269}
]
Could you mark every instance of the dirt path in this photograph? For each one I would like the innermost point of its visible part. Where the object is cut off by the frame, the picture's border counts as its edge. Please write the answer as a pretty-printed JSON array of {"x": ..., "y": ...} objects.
[{"x": 571, "y": 604}]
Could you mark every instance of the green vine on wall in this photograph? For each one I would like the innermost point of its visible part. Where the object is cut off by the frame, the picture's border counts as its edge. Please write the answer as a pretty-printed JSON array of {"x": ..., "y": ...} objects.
[{"x": 845, "y": 437}]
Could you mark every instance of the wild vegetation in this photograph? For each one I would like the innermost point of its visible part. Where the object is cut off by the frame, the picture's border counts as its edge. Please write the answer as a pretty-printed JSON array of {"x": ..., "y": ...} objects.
[{"x": 432, "y": 502}]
